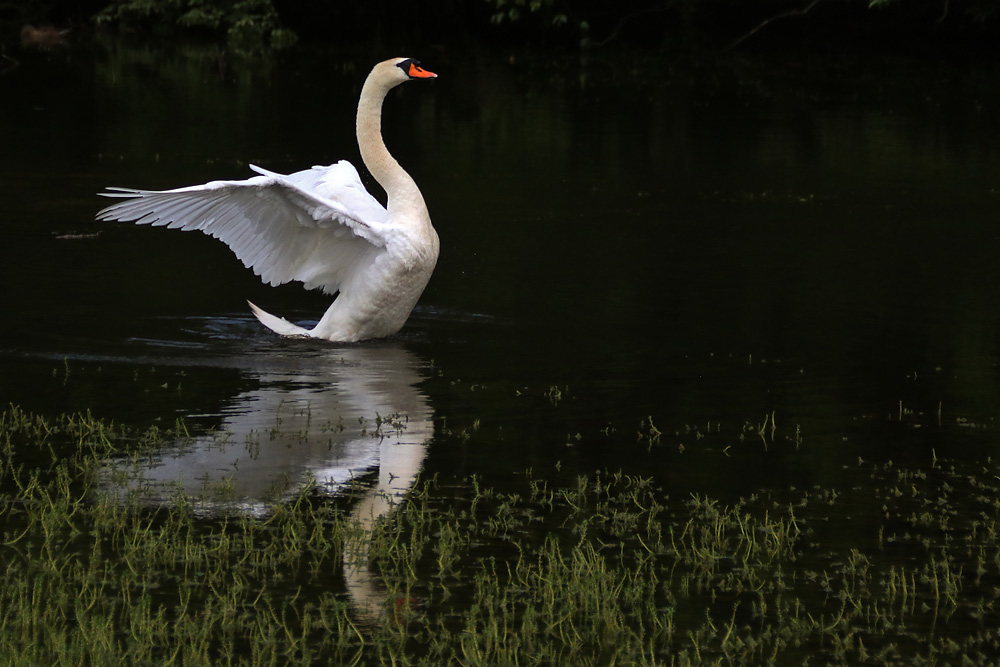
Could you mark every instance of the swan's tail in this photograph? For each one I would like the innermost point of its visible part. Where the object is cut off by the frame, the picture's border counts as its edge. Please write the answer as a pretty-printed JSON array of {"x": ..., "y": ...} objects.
[{"x": 278, "y": 325}]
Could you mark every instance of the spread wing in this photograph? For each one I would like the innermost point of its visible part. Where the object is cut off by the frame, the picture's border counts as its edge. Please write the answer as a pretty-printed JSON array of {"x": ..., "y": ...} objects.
[{"x": 316, "y": 226}]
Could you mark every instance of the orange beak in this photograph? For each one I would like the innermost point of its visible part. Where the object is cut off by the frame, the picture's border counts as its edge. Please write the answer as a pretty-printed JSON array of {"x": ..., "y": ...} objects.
[{"x": 417, "y": 72}]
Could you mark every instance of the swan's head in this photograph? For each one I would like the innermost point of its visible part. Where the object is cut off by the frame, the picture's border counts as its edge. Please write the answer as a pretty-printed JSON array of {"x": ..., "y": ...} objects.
[{"x": 398, "y": 70}]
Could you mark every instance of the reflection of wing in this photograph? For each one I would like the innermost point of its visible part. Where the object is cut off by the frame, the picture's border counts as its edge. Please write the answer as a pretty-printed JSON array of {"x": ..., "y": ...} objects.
[
  {"x": 312, "y": 418},
  {"x": 322, "y": 418},
  {"x": 315, "y": 226}
]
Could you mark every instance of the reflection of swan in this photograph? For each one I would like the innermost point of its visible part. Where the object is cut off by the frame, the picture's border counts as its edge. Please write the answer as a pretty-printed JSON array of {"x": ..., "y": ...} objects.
[
  {"x": 319, "y": 226},
  {"x": 323, "y": 420}
]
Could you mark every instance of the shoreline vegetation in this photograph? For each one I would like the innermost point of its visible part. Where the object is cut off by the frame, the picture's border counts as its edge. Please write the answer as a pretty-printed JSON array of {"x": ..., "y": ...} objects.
[
  {"x": 705, "y": 27},
  {"x": 603, "y": 569}
]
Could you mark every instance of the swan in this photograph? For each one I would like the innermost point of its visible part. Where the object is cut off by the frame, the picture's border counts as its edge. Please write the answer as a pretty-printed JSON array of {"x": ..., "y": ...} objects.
[{"x": 318, "y": 226}]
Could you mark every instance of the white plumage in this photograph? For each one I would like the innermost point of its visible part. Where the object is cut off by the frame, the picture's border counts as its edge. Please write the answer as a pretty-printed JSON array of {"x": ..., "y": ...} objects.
[{"x": 318, "y": 226}]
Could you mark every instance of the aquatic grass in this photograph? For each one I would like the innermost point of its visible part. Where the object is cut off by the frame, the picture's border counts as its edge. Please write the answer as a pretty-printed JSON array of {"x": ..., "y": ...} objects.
[
  {"x": 97, "y": 580},
  {"x": 605, "y": 568}
]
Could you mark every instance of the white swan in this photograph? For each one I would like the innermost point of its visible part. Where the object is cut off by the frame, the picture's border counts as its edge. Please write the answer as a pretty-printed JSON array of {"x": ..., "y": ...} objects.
[{"x": 319, "y": 226}]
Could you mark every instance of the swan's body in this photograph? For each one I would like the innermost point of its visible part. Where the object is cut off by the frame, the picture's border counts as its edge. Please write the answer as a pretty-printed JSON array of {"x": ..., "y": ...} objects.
[{"x": 319, "y": 226}]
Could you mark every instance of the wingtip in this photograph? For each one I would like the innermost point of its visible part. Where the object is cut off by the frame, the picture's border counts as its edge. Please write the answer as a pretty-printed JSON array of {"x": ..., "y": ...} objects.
[{"x": 113, "y": 191}]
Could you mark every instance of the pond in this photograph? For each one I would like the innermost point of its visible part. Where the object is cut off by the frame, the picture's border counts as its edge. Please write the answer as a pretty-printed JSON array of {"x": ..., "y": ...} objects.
[{"x": 747, "y": 300}]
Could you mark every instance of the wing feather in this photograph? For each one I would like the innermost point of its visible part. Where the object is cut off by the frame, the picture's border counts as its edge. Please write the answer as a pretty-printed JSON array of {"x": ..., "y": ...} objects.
[{"x": 315, "y": 226}]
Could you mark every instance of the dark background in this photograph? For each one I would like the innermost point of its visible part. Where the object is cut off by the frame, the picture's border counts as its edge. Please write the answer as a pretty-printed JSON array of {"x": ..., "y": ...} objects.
[{"x": 932, "y": 28}]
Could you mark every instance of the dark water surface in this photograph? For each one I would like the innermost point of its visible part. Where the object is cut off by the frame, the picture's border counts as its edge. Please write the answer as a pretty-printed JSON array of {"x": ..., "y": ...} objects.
[{"x": 784, "y": 271}]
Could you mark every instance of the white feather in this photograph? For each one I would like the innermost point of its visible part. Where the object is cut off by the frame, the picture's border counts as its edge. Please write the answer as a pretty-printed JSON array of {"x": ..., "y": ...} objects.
[{"x": 272, "y": 221}]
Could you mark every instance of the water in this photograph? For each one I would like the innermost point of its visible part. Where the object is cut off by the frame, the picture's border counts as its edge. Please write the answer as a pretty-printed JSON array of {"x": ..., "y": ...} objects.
[
  {"x": 735, "y": 280},
  {"x": 661, "y": 246}
]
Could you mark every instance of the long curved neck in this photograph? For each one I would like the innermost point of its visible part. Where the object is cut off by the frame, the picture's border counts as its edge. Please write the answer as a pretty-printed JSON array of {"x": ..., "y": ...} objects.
[{"x": 404, "y": 196}]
